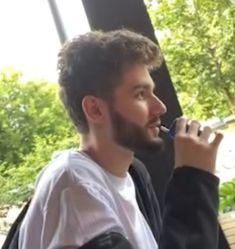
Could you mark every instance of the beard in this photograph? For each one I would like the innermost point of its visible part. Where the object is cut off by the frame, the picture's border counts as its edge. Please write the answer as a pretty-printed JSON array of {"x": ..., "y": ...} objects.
[{"x": 132, "y": 136}]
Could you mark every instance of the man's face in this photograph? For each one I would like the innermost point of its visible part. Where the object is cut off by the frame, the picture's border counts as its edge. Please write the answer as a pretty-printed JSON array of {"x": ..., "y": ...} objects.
[{"x": 135, "y": 112}]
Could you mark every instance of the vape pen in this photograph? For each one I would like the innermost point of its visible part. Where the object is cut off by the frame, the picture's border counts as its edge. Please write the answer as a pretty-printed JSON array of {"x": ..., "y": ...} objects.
[{"x": 171, "y": 131}]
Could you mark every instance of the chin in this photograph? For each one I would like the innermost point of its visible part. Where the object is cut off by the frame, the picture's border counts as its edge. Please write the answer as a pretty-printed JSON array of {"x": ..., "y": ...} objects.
[
  {"x": 153, "y": 133},
  {"x": 153, "y": 137}
]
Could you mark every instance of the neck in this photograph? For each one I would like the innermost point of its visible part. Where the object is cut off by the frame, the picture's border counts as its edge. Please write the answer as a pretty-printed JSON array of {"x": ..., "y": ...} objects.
[{"x": 112, "y": 157}]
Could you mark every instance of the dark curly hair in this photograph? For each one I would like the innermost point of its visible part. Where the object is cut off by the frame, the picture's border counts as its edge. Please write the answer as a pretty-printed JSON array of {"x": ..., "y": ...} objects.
[{"x": 92, "y": 64}]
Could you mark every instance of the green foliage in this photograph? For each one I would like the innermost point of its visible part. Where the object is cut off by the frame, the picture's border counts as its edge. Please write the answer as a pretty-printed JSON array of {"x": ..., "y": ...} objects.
[
  {"x": 227, "y": 196},
  {"x": 199, "y": 48},
  {"x": 33, "y": 125}
]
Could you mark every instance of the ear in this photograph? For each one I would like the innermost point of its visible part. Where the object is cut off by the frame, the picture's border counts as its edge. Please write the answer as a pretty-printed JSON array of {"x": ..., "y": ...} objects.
[{"x": 94, "y": 109}]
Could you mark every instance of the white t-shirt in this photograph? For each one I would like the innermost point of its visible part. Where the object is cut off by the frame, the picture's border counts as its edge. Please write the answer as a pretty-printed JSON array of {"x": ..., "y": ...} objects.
[{"x": 75, "y": 200}]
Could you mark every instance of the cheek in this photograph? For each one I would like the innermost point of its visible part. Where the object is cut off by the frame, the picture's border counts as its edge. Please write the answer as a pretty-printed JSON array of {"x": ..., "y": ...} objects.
[{"x": 138, "y": 113}]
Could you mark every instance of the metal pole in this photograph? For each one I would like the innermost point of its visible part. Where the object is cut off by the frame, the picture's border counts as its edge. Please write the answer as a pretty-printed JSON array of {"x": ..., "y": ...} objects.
[{"x": 58, "y": 21}]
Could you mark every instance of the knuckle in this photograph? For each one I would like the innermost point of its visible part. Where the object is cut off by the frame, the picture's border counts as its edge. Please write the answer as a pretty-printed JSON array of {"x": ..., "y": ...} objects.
[
  {"x": 207, "y": 128},
  {"x": 195, "y": 122},
  {"x": 179, "y": 119}
]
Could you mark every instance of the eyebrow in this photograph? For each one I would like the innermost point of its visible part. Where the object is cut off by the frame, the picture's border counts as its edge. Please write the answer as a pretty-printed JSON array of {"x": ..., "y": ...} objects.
[{"x": 145, "y": 86}]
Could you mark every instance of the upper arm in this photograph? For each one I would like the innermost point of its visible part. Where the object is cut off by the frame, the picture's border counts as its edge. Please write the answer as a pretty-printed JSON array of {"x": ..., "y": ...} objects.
[
  {"x": 70, "y": 216},
  {"x": 80, "y": 214}
]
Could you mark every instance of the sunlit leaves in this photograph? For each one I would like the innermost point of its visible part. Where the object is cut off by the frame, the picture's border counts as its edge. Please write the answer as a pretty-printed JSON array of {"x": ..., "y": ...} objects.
[
  {"x": 227, "y": 196},
  {"x": 199, "y": 48},
  {"x": 33, "y": 125}
]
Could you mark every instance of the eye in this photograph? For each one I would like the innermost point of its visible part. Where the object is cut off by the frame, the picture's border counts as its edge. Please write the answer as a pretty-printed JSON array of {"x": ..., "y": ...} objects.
[{"x": 141, "y": 94}]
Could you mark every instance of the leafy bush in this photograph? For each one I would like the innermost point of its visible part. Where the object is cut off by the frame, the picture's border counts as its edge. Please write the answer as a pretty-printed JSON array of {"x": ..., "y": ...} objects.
[
  {"x": 227, "y": 196},
  {"x": 199, "y": 48},
  {"x": 33, "y": 124}
]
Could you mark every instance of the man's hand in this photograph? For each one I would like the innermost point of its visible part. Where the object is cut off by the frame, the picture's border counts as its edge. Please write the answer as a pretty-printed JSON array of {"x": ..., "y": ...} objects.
[{"x": 195, "y": 150}]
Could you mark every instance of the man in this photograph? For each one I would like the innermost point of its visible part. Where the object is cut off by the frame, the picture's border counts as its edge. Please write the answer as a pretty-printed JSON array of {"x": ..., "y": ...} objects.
[{"x": 107, "y": 90}]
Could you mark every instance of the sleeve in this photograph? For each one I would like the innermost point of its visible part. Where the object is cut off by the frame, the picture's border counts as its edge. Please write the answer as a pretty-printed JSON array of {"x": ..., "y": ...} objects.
[
  {"x": 78, "y": 214},
  {"x": 88, "y": 212},
  {"x": 190, "y": 211}
]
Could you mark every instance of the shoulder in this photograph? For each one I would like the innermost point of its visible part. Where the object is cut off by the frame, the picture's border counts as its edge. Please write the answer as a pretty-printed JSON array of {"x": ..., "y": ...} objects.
[
  {"x": 67, "y": 170},
  {"x": 71, "y": 165}
]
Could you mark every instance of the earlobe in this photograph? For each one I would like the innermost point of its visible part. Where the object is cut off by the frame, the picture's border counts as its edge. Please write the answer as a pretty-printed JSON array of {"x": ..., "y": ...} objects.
[{"x": 93, "y": 109}]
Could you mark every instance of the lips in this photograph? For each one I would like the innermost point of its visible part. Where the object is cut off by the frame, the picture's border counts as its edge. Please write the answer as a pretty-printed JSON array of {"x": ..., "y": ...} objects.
[
  {"x": 155, "y": 122},
  {"x": 154, "y": 130},
  {"x": 154, "y": 125}
]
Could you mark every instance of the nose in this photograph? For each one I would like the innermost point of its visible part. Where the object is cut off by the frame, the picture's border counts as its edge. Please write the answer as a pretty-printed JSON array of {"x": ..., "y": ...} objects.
[{"x": 158, "y": 107}]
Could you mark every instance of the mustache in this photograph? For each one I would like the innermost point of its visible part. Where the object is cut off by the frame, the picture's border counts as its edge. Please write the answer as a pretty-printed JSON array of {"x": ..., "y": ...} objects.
[{"x": 154, "y": 122}]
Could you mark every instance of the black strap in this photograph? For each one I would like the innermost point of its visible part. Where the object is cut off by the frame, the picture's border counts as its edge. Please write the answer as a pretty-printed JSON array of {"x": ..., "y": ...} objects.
[
  {"x": 11, "y": 241},
  {"x": 146, "y": 197}
]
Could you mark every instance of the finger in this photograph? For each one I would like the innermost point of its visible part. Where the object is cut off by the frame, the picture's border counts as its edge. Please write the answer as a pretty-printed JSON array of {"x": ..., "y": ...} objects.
[
  {"x": 205, "y": 133},
  {"x": 181, "y": 124},
  {"x": 193, "y": 127},
  {"x": 217, "y": 140}
]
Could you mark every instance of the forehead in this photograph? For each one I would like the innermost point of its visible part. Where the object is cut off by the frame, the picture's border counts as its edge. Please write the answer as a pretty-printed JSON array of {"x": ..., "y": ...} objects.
[{"x": 136, "y": 75}]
